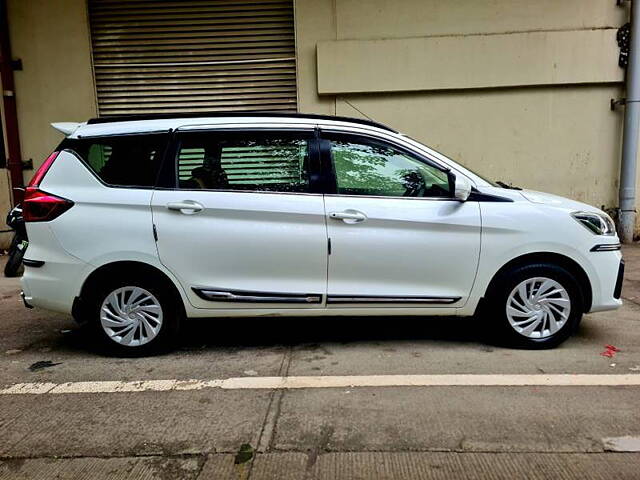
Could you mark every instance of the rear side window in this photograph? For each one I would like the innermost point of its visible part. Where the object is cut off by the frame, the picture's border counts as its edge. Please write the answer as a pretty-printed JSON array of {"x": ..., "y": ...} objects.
[
  {"x": 256, "y": 161},
  {"x": 125, "y": 161}
]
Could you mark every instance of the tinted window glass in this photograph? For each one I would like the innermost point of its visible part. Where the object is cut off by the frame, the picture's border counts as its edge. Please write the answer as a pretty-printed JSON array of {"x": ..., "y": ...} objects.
[
  {"x": 364, "y": 167},
  {"x": 132, "y": 160},
  {"x": 259, "y": 162}
]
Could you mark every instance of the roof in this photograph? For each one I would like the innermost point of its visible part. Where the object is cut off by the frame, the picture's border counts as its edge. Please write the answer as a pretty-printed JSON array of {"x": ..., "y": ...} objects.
[
  {"x": 218, "y": 115},
  {"x": 159, "y": 123}
]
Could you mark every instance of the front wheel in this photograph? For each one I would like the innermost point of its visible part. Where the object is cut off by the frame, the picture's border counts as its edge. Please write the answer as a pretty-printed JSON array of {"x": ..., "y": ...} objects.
[
  {"x": 535, "y": 306},
  {"x": 134, "y": 317}
]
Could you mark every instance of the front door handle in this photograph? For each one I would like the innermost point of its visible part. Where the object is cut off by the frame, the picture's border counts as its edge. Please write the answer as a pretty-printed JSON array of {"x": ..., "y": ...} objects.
[
  {"x": 188, "y": 207},
  {"x": 349, "y": 216}
]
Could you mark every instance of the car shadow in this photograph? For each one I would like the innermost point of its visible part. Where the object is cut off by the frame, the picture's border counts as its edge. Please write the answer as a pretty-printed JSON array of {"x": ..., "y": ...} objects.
[
  {"x": 269, "y": 332},
  {"x": 292, "y": 331}
]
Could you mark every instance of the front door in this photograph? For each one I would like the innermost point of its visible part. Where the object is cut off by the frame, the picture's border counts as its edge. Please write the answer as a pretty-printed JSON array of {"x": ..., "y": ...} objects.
[
  {"x": 397, "y": 236},
  {"x": 242, "y": 228}
]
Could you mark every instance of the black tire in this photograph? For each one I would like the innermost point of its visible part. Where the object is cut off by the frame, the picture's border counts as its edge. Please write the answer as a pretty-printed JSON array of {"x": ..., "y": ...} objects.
[
  {"x": 14, "y": 263},
  {"x": 172, "y": 315},
  {"x": 496, "y": 306}
]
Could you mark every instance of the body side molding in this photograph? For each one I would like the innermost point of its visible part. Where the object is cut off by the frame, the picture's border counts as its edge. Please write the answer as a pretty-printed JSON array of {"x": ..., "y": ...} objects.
[
  {"x": 221, "y": 295},
  {"x": 390, "y": 299}
]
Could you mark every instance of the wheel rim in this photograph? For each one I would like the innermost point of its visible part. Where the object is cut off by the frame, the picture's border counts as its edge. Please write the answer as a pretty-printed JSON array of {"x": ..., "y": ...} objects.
[
  {"x": 538, "y": 307},
  {"x": 131, "y": 316}
]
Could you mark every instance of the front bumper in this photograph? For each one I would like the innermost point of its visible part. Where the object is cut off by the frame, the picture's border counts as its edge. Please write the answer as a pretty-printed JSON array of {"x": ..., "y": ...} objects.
[
  {"x": 617, "y": 291},
  {"x": 606, "y": 270}
]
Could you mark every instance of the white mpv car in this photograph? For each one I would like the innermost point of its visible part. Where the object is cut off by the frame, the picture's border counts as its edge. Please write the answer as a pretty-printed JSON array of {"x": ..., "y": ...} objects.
[{"x": 137, "y": 223}]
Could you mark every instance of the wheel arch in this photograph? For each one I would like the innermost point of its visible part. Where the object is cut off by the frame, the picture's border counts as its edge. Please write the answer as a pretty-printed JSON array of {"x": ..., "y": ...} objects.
[
  {"x": 546, "y": 257},
  {"x": 124, "y": 268}
]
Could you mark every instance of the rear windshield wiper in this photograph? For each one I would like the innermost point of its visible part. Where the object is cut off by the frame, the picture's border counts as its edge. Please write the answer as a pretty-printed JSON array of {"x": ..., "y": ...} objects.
[{"x": 505, "y": 185}]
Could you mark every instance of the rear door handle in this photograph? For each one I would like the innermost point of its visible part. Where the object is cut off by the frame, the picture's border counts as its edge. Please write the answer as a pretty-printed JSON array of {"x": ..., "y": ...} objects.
[
  {"x": 349, "y": 216},
  {"x": 188, "y": 207}
]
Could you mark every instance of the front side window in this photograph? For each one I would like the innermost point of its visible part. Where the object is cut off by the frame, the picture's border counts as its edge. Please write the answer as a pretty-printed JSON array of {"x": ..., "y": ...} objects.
[
  {"x": 252, "y": 161},
  {"x": 369, "y": 167},
  {"x": 126, "y": 161}
]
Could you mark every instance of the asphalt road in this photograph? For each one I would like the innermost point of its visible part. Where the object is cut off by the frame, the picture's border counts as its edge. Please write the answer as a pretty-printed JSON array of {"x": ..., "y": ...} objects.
[{"x": 200, "y": 422}]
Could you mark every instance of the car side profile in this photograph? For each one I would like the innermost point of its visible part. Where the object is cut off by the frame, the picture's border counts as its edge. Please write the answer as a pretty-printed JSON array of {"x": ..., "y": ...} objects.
[{"x": 135, "y": 224}]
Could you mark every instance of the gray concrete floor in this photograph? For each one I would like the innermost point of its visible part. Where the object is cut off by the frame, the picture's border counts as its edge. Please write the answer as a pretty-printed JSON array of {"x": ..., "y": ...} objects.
[{"x": 390, "y": 433}]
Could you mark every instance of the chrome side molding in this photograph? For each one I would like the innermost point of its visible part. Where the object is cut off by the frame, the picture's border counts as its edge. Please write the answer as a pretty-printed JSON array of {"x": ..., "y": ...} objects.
[
  {"x": 390, "y": 299},
  {"x": 217, "y": 295}
]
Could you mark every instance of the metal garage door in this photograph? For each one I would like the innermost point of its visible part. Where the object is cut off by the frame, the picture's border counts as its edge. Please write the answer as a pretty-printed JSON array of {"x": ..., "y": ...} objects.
[{"x": 163, "y": 56}]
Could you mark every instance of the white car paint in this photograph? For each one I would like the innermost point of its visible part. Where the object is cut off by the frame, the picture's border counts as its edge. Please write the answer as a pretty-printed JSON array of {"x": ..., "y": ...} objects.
[
  {"x": 282, "y": 239},
  {"x": 407, "y": 246}
]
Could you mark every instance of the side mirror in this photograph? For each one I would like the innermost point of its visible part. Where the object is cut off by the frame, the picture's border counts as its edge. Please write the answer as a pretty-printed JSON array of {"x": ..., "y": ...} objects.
[{"x": 462, "y": 188}]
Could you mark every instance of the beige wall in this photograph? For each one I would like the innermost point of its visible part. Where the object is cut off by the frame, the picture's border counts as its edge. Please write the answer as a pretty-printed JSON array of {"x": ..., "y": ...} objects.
[
  {"x": 459, "y": 62},
  {"x": 314, "y": 22},
  {"x": 559, "y": 137},
  {"x": 51, "y": 37}
]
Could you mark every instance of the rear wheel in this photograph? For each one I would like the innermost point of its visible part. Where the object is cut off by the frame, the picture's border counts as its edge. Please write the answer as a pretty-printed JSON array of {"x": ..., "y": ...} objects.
[
  {"x": 134, "y": 317},
  {"x": 535, "y": 306}
]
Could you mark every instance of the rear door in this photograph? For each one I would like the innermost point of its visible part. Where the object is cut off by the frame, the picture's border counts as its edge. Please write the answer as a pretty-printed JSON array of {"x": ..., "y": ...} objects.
[
  {"x": 398, "y": 238},
  {"x": 243, "y": 226}
]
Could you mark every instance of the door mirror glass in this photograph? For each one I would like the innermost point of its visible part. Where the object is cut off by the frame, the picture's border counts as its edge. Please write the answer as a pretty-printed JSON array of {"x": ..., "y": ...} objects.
[{"x": 462, "y": 188}]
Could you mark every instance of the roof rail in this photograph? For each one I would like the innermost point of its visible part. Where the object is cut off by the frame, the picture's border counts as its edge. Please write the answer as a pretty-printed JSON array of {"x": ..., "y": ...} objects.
[{"x": 160, "y": 116}]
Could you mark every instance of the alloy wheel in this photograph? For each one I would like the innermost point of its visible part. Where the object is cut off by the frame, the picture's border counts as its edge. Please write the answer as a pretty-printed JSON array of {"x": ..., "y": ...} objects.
[
  {"x": 538, "y": 307},
  {"x": 131, "y": 316}
]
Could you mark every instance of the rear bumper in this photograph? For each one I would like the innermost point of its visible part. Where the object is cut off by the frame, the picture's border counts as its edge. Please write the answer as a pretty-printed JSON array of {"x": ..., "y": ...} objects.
[
  {"x": 53, "y": 286},
  {"x": 24, "y": 300},
  {"x": 54, "y": 280}
]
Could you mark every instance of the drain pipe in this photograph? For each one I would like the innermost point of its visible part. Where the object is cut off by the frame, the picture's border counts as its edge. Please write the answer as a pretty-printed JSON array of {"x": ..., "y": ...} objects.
[
  {"x": 14, "y": 156},
  {"x": 628, "y": 167}
]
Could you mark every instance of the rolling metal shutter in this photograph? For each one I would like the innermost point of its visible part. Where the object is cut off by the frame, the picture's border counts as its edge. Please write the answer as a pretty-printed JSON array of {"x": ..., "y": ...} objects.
[{"x": 164, "y": 56}]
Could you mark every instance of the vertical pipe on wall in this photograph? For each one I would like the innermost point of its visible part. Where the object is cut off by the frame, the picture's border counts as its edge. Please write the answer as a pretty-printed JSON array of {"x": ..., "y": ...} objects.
[
  {"x": 628, "y": 167},
  {"x": 14, "y": 155}
]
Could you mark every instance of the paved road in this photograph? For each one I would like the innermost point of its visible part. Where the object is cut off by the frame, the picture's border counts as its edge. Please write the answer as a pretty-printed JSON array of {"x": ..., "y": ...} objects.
[{"x": 212, "y": 428}]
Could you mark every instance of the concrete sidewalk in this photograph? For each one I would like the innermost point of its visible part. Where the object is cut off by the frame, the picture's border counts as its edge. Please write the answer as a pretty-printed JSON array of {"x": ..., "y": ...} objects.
[{"x": 333, "y": 466}]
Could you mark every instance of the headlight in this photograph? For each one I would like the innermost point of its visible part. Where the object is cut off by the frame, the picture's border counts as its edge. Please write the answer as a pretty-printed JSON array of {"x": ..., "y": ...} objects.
[{"x": 597, "y": 223}]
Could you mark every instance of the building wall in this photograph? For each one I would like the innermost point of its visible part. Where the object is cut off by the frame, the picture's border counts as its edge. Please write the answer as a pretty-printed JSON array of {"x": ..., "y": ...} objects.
[
  {"x": 5, "y": 203},
  {"x": 56, "y": 82},
  {"x": 51, "y": 37},
  {"x": 532, "y": 81}
]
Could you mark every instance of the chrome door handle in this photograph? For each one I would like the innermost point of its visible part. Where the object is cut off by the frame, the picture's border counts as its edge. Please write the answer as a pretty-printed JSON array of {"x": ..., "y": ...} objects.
[
  {"x": 349, "y": 216},
  {"x": 188, "y": 207}
]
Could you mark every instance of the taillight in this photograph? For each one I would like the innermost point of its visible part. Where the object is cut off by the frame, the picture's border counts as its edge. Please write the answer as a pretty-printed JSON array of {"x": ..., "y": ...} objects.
[
  {"x": 42, "y": 171},
  {"x": 39, "y": 206}
]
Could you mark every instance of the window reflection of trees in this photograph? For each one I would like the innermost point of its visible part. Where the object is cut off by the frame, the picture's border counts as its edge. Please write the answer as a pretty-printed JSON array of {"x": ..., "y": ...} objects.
[{"x": 368, "y": 169}]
